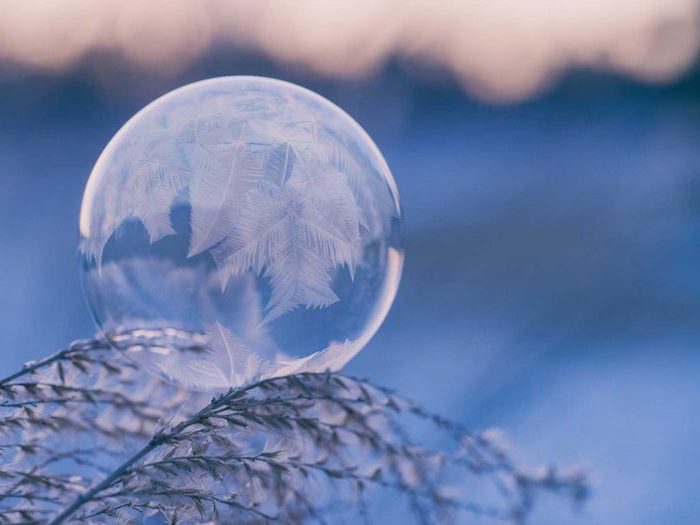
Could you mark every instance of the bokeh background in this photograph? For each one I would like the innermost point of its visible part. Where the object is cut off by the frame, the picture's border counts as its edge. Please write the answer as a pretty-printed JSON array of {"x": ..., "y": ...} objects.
[{"x": 548, "y": 157}]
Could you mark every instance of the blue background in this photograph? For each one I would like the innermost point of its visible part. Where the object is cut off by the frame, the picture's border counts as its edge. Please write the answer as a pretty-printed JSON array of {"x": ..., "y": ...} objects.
[{"x": 551, "y": 283}]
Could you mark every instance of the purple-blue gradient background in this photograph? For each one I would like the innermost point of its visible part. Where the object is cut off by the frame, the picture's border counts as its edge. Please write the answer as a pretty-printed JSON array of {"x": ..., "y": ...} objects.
[{"x": 551, "y": 287}]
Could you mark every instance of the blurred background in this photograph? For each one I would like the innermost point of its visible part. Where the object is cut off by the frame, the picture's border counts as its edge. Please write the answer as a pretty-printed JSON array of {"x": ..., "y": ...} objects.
[{"x": 548, "y": 158}]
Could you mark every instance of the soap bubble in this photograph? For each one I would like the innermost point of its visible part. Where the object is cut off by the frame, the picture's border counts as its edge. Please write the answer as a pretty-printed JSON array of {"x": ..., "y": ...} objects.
[{"x": 240, "y": 228}]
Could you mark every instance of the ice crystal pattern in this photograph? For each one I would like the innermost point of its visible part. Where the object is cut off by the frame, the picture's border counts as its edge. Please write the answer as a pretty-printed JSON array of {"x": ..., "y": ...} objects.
[
  {"x": 277, "y": 182},
  {"x": 257, "y": 204}
]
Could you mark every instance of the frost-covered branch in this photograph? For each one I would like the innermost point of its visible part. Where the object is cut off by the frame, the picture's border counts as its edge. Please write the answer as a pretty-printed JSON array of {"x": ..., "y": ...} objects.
[
  {"x": 95, "y": 443},
  {"x": 77, "y": 355}
]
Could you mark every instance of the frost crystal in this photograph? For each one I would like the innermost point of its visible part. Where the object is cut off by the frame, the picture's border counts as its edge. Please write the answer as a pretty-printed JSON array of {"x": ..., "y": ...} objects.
[{"x": 269, "y": 181}]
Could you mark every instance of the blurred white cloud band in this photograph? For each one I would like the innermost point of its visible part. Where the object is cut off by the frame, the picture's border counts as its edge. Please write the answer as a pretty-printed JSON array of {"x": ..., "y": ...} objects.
[{"x": 501, "y": 50}]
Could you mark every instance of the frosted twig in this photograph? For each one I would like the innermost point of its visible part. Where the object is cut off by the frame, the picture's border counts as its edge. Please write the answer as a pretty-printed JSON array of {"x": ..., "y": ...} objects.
[{"x": 285, "y": 449}]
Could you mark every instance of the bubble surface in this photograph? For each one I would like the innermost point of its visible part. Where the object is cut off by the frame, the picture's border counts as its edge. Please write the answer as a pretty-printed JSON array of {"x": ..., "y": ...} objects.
[{"x": 240, "y": 228}]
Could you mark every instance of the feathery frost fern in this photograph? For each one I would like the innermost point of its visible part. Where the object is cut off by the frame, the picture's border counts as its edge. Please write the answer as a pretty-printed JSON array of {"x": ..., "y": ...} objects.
[{"x": 269, "y": 193}]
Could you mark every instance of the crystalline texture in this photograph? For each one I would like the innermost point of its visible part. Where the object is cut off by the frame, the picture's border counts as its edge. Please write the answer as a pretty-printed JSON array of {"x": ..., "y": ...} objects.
[{"x": 242, "y": 182}]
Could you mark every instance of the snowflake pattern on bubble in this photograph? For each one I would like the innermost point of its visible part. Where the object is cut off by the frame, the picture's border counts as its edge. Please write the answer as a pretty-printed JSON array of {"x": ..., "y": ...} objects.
[{"x": 249, "y": 215}]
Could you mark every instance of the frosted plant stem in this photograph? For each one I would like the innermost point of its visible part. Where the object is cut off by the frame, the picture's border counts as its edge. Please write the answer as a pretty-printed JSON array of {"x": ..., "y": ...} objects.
[
  {"x": 31, "y": 368},
  {"x": 62, "y": 355},
  {"x": 159, "y": 439},
  {"x": 344, "y": 431},
  {"x": 106, "y": 482}
]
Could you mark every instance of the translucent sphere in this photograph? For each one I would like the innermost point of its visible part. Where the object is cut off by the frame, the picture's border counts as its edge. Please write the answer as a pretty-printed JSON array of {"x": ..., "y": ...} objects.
[{"x": 240, "y": 228}]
